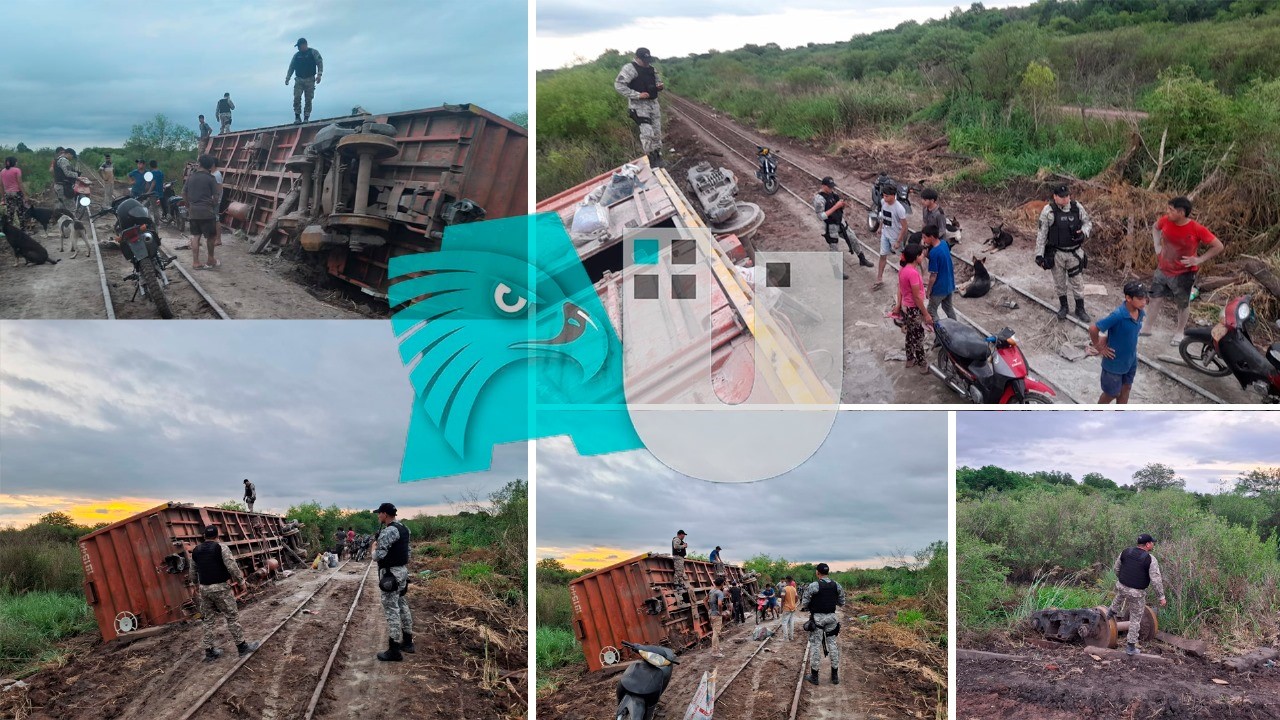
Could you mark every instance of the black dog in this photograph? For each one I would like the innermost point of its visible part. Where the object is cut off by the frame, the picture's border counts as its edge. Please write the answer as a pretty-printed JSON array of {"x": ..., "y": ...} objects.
[
  {"x": 980, "y": 284},
  {"x": 24, "y": 246},
  {"x": 1000, "y": 238},
  {"x": 45, "y": 216}
]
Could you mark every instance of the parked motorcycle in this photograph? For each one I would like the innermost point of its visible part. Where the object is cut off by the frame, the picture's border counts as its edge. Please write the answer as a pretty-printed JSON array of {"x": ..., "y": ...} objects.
[
  {"x": 768, "y": 169},
  {"x": 986, "y": 370},
  {"x": 140, "y": 244},
  {"x": 173, "y": 208},
  {"x": 643, "y": 683},
  {"x": 904, "y": 197},
  {"x": 1227, "y": 349}
]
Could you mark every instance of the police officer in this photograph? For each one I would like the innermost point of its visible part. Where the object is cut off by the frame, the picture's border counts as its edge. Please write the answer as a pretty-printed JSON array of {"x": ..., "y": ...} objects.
[
  {"x": 64, "y": 180},
  {"x": 212, "y": 567},
  {"x": 638, "y": 82},
  {"x": 821, "y": 598},
  {"x": 250, "y": 494},
  {"x": 393, "y": 579},
  {"x": 1136, "y": 569},
  {"x": 223, "y": 113},
  {"x": 309, "y": 66},
  {"x": 678, "y": 550},
  {"x": 830, "y": 209},
  {"x": 1064, "y": 226}
]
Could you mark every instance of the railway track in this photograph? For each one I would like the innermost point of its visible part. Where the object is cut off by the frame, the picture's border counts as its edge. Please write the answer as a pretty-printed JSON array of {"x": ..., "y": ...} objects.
[
  {"x": 1174, "y": 387},
  {"x": 187, "y": 297},
  {"x": 287, "y": 695}
]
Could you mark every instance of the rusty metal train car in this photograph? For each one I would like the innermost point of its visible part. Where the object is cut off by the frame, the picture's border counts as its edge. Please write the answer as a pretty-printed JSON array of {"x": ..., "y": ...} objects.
[
  {"x": 636, "y": 600},
  {"x": 135, "y": 570},
  {"x": 358, "y": 190}
]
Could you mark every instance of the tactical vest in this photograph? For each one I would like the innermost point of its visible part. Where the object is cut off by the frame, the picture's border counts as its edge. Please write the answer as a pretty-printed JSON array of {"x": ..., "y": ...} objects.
[
  {"x": 1135, "y": 568},
  {"x": 60, "y": 177},
  {"x": 224, "y": 106},
  {"x": 829, "y": 200},
  {"x": 681, "y": 552},
  {"x": 824, "y": 601},
  {"x": 1065, "y": 225},
  {"x": 645, "y": 81},
  {"x": 304, "y": 63},
  {"x": 398, "y": 554},
  {"x": 209, "y": 566}
]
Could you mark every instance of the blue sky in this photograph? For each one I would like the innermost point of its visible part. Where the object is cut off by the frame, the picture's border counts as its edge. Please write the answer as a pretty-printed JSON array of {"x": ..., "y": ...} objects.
[
  {"x": 876, "y": 488},
  {"x": 1202, "y": 446},
  {"x": 81, "y": 73},
  {"x": 92, "y": 413}
]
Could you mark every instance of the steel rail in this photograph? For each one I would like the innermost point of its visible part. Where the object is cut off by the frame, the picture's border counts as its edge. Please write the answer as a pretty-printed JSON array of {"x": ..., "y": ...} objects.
[{"x": 324, "y": 676}]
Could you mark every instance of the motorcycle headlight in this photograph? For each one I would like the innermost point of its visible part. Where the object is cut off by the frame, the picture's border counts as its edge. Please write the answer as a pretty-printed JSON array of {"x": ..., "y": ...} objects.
[
  {"x": 1012, "y": 340},
  {"x": 654, "y": 658},
  {"x": 1243, "y": 311}
]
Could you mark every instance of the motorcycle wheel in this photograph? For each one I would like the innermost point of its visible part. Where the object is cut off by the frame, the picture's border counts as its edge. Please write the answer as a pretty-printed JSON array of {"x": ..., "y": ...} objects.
[
  {"x": 151, "y": 283},
  {"x": 1203, "y": 357},
  {"x": 1033, "y": 397},
  {"x": 771, "y": 185}
]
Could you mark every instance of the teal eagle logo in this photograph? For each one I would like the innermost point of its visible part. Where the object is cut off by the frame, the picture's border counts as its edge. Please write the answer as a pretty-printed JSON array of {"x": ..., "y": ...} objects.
[{"x": 505, "y": 340}]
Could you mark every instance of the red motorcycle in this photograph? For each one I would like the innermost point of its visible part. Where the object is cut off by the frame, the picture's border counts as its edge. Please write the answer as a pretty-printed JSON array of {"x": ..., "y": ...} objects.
[
  {"x": 1227, "y": 349},
  {"x": 986, "y": 370}
]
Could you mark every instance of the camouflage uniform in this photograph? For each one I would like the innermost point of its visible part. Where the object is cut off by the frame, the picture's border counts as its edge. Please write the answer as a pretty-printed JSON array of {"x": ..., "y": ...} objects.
[
  {"x": 835, "y": 231},
  {"x": 250, "y": 495},
  {"x": 305, "y": 86},
  {"x": 219, "y": 599},
  {"x": 394, "y": 606},
  {"x": 1064, "y": 261},
  {"x": 66, "y": 201},
  {"x": 826, "y": 623},
  {"x": 645, "y": 112},
  {"x": 678, "y": 544},
  {"x": 1135, "y": 599}
]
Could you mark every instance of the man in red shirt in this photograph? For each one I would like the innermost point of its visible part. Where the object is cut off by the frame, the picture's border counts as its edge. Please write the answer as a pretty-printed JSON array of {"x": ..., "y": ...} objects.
[{"x": 1177, "y": 241}]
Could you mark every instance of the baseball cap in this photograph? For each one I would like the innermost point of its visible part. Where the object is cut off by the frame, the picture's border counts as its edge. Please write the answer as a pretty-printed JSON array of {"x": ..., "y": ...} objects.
[
  {"x": 1062, "y": 190},
  {"x": 1138, "y": 290},
  {"x": 828, "y": 181},
  {"x": 211, "y": 531},
  {"x": 643, "y": 53},
  {"x": 387, "y": 508},
  {"x": 823, "y": 568},
  {"x": 301, "y": 41},
  {"x": 1144, "y": 538},
  {"x": 681, "y": 532}
]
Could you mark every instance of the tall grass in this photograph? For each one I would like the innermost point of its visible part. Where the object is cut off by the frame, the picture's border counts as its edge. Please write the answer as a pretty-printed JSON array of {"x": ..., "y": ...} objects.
[
  {"x": 31, "y": 623},
  {"x": 41, "y": 565},
  {"x": 557, "y": 647}
]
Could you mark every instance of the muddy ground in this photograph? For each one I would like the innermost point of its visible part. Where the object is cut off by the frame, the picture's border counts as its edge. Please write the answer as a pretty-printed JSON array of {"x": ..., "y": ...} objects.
[
  {"x": 880, "y": 676},
  {"x": 246, "y": 286},
  {"x": 1065, "y": 682},
  {"x": 163, "y": 676},
  {"x": 872, "y": 374}
]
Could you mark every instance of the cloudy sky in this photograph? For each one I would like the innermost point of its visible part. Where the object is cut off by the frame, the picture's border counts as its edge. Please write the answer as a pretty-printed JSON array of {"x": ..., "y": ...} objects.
[
  {"x": 570, "y": 31},
  {"x": 1202, "y": 446},
  {"x": 101, "y": 420},
  {"x": 876, "y": 488},
  {"x": 82, "y": 73}
]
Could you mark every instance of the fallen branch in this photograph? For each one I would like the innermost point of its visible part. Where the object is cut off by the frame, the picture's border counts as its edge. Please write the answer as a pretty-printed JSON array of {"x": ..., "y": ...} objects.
[
  {"x": 1262, "y": 273},
  {"x": 285, "y": 207},
  {"x": 1186, "y": 645},
  {"x": 1252, "y": 660},
  {"x": 1160, "y": 162},
  {"x": 1121, "y": 655},
  {"x": 937, "y": 143},
  {"x": 963, "y": 654}
]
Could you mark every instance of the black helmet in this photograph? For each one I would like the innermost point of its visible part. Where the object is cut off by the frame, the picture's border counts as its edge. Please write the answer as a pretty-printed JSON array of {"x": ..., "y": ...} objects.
[{"x": 131, "y": 212}]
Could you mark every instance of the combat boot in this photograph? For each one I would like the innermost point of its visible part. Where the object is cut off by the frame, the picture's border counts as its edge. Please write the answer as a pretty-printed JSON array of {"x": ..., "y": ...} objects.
[
  {"x": 1131, "y": 649},
  {"x": 297, "y": 119},
  {"x": 655, "y": 158},
  {"x": 245, "y": 648},
  {"x": 813, "y": 676},
  {"x": 212, "y": 654},
  {"x": 1062, "y": 307},
  {"x": 863, "y": 261},
  {"x": 835, "y": 676},
  {"x": 1080, "y": 313},
  {"x": 392, "y": 653},
  {"x": 406, "y": 645},
  {"x": 306, "y": 118}
]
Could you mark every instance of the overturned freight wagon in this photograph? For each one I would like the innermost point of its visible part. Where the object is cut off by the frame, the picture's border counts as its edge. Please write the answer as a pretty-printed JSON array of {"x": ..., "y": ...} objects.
[
  {"x": 636, "y": 600},
  {"x": 135, "y": 570},
  {"x": 355, "y": 191}
]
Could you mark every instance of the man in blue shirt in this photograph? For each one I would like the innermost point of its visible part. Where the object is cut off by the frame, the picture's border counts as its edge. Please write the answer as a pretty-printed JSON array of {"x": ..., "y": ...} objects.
[
  {"x": 139, "y": 182},
  {"x": 1119, "y": 349},
  {"x": 942, "y": 273},
  {"x": 157, "y": 182}
]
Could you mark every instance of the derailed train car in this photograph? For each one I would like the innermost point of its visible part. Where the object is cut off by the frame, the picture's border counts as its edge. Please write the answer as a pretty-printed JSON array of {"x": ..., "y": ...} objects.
[
  {"x": 636, "y": 600},
  {"x": 355, "y": 191},
  {"x": 135, "y": 570}
]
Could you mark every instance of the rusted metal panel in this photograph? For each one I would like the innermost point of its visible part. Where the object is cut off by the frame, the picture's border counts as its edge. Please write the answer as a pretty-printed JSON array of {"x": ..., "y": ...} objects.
[
  {"x": 636, "y": 600},
  {"x": 138, "y": 565},
  {"x": 445, "y": 154}
]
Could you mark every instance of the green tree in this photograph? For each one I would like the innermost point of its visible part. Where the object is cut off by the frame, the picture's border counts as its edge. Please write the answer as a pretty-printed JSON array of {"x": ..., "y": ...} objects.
[
  {"x": 998, "y": 64},
  {"x": 520, "y": 118},
  {"x": 161, "y": 134},
  {"x": 1099, "y": 481},
  {"x": 233, "y": 505},
  {"x": 1039, "y": 90},
  {"x": 1259, "y": 482},
  {"x": 22, "y": 148},
  {"x": 1156, "y": 476},
  {"x": 58, "y": 519}
]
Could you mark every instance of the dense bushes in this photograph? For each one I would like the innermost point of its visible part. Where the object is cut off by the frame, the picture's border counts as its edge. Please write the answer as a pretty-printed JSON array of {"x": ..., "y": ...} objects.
[{"x": 583, "y": 128}]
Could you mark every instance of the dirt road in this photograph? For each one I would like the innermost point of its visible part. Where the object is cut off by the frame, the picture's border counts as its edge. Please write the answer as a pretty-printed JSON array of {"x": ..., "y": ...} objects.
[
  {"x": 1066, "y": 683},
  {"x": 696, "y": 134},
  {"x": 245, "y": 285}
]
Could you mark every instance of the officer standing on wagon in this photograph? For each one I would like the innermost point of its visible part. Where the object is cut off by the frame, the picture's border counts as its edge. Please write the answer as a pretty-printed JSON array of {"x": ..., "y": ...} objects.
[
  {"x": 679, "y": 548},
  {"x": 393, "y": 580},
  {"x": 638, "y": 82},
  {"x": 212, "y": 567},
  {"x": 821, "y": 598}
]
